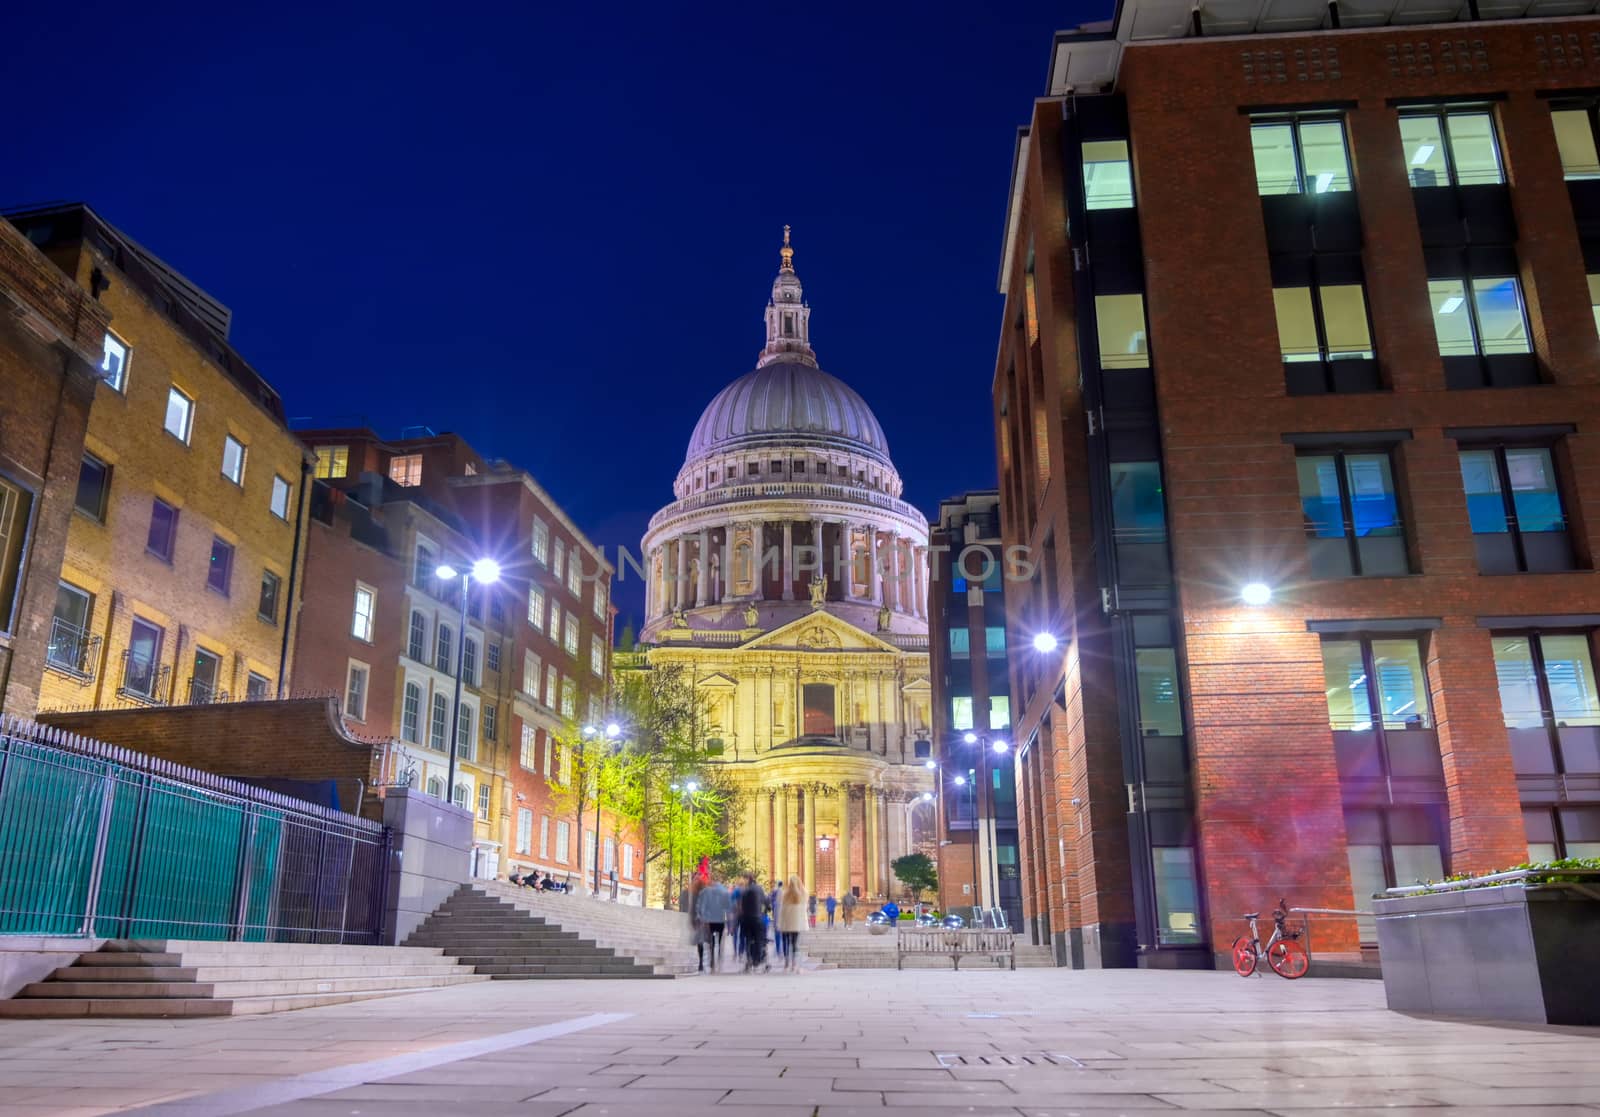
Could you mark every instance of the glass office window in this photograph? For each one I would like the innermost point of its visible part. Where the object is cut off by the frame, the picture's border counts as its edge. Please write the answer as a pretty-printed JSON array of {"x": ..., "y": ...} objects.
[
  {"x": 1160, "y": 714},
  {"x": 1575, "y": 140},
  {"x": 1107, "y": 175},
  {"x": 1120, "y": 327},
  {"x": 1345, "y": 678}
]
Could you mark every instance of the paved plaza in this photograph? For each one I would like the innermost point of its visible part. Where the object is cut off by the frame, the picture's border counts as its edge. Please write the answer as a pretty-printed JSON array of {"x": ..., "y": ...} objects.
[{"x": 1040, "y": 1043}]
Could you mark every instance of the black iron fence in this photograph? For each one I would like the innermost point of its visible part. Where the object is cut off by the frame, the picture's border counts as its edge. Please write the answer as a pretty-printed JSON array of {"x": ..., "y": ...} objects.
[{"x": 98, "y": 840}]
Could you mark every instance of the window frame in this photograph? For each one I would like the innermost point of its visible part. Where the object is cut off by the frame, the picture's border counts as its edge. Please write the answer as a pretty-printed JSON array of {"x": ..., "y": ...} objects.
[
  {"x": 79, "y": 635},
  {"x": 1550, "y": 721},
  {"x": 229, "y": 441},
  {"x": 255, "y": 682},
  {"x": 356, "y": 668},
  {"x": 280, "y": 485},
  {"x": 230, "y": 552},
  {"x": 272, "y": 577},
  {"x": 172, "y": 531},
  {"x": 363, "y": 625},
  {"x": 438, "y": 722},
  {"x": 1295, "y": 121},
  {"x": 1499, "y": 448},
  {"x": 411, "y": 713},
  {"x": 405, "y": 470},
  {"x": 120, "y": 383},
  {"x": 103, "y": 504},
  {"x": 1469, "y": 297},
  {"x": 1442, "y": 114},
  {"x": 327, "y": 458},
  {"x": 1347, "y": 511},
  {"x": 188, "y": 415},
  {"x": 157, "y": 648}
]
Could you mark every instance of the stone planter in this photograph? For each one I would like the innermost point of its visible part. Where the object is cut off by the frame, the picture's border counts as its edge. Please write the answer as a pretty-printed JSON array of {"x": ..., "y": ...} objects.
[{"x": 1503, "y": 953}]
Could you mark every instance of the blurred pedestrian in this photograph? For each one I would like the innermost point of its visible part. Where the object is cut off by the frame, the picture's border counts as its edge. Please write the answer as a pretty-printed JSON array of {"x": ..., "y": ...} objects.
[
  {"x": 690, "y": 902},
  {"x": 752, "y": 904},
  {"x": 775, "y": 906},
  {"x": 830, "y": 904},
  {"x": 849, "y": 909},
  {"x": 811, "y": 911},
  {"x": 713, "y": 907},
  {"x": 791, "y": 921}
]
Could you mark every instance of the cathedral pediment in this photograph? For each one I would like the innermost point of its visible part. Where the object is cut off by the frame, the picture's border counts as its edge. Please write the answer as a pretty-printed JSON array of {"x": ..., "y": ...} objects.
[{"x": 820, "y": 631}]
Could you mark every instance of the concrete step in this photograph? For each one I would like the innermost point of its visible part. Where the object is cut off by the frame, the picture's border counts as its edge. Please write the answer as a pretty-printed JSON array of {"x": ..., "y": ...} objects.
[
  {"x": 227, "y": 990},
  {"x": 205, "y": 974},
  {"x": 191, "y": 1007}
]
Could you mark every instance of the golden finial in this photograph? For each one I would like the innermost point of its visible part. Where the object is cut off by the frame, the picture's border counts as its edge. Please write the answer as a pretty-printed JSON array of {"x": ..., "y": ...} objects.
[{"x": 786, "y": 252}]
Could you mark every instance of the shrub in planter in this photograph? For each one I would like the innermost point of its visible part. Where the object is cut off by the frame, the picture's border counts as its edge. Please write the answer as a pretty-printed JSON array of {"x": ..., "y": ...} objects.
[{"x": 1497, "y": 950}]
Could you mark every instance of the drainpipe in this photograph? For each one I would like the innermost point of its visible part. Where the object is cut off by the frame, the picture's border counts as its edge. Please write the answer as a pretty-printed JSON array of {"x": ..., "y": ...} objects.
[{"x": 291, "y": 612}]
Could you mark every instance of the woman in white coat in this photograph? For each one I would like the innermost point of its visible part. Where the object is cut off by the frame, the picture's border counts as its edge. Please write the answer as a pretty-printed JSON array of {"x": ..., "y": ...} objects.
[{"x": 791, "y": 920}]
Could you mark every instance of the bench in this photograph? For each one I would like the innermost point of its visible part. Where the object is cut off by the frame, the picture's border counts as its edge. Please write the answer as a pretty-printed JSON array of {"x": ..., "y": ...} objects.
[{"x": 955, "y": 945}]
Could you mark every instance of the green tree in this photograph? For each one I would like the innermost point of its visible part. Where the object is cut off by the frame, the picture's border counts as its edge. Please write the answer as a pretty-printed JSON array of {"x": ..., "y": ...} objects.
[{"x": 917, "y": 872}]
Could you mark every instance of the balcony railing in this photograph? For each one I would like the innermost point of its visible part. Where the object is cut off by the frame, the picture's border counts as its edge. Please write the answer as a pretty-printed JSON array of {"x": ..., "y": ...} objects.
[
  {"x": 72, "y": 650},
  {"x": 202, "y": 693},
  {"x": 143, "y": 679}
]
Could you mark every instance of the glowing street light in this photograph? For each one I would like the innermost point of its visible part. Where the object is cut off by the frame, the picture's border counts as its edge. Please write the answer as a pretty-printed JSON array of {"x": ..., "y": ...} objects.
[
  {"x": 960, "y": 781},
  {"x": 1045, "y": 642},
  {"x": 484, "y": 571},
  {"x": 1255, "y": 593},
  {"x": 930, "y": 764},
  {"x": 1000, "y": 746}
]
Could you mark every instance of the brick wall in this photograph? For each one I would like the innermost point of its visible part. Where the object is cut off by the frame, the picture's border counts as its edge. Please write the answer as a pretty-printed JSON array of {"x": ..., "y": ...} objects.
[
  {"x": 297, "y": 739},
  {"x": 50, "y": 336}
]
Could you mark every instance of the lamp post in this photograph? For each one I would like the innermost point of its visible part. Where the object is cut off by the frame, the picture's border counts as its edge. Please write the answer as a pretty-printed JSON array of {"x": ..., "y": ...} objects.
[
  {"x": 594, "y": 734},
  {"x": 487, "y": 572},
  {"x": 686, "y": 793},
  {"x": 983, "y": 842}
]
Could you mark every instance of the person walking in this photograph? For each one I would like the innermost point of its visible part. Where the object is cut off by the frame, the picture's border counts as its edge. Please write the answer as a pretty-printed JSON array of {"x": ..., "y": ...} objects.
[
  {"x": 849, "y": 909},
  {"x": 830, "y": 904},
  {"x": 811, "y": 911},
  {"x": 689, "y": 902},
  {"x": 752, "y": 904},
  {"x": 775, "y": 905},
  {"x": 714, "y": 907},
  {"x": 791, "y": 921}
]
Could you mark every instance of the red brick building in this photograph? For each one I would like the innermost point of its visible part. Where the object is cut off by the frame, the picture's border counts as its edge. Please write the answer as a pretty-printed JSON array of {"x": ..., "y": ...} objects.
[
  {"x": 51, "y": 339},
  {"x": 381, "y": 629},
  {"x": 1295, "y": 404}
]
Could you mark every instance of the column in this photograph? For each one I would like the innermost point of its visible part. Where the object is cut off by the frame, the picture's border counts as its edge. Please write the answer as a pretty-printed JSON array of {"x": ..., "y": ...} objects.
[
  {"x": 919, "y": 579},
  {"x": 763, "y": 852},
  {"x": 758, "y": 543},
  {"x": 788, "y": 560},
  {"x": 808, "y": 856},
  {"x": 681, "y": 585},
  {"x": 817, "y": 535},
  {"x": 702, "y": 579},
  {"x": 891, "y": 574},
  {"x": 883, "y": 839},
  {"x": 870, "y": 828},
  {"x": 841, "y": 876},
  {"x": 872, "y": 564},
  {"x": 780, "y": 833}
]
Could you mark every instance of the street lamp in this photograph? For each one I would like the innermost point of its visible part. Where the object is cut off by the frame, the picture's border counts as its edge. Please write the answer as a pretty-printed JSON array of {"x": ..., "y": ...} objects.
[
  {"x": 1255, "y": 593},
  {"x": 686, "y": 792},
  {"x": 984, "y": 839},
  {"x": 591, "y": 733},
  {"x": 486, "y": 571},
  {"x": 1045, "y": 642}
]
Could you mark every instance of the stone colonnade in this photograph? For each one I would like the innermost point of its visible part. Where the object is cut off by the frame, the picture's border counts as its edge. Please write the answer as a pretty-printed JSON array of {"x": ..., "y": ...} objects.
[
  {"x": 864, "y": 563},
  {"x": 861, "y": 823}
]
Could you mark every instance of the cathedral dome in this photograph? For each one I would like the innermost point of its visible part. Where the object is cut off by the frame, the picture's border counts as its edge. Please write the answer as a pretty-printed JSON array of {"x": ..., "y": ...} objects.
[{"x": 788, "y": 402}]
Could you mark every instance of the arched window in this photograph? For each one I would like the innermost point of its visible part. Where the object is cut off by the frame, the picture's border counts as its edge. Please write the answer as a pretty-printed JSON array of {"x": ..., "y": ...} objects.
[
  {"x": 462, "y": 794},
  {"x": 436, "y": 787}
]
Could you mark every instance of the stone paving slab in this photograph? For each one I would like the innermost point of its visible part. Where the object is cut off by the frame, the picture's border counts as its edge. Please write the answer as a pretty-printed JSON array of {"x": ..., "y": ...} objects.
[{"x": 823, "y": 1044}]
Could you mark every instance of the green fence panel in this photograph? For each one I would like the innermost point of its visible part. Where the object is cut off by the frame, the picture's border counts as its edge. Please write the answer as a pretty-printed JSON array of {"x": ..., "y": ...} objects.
[
  {"x": 189, "y": 866},
  {"x": 50, "y": 806}
]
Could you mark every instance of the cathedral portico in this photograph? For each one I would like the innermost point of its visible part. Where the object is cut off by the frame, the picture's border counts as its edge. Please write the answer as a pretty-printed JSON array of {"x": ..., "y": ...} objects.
[{"x": 786, "y": 579}]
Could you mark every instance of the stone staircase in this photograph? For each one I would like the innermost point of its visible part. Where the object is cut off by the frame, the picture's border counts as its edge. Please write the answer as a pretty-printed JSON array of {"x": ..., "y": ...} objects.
[
  {"x": 200, "y": 978},
  {"x": 509, "y": 933},
  {"x": 857, "y": 949}
]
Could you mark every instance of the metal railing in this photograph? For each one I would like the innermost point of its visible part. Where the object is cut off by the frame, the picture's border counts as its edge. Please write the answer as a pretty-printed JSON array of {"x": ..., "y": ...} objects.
[
  {"x": 1587, "y": 882},
  {"x": 71, "y": 650},
  {"x": 202, "y": 693},
  {"x": 143, "y": 679},
  {"x": 99, "y": 841}
]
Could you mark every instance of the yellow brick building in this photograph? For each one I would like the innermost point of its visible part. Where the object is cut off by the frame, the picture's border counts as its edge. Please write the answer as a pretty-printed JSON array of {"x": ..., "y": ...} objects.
[{"x": 183, "y": 554}]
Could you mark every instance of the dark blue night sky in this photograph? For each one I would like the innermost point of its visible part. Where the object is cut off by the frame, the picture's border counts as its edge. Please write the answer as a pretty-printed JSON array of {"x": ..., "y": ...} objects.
[{"x": 552, "y": 228}]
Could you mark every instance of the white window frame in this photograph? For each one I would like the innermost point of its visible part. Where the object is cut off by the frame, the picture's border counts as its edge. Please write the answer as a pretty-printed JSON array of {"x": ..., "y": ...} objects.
[
  {"x": 599, "y": 600},
  {"x": 597, "y": 655},
  {"x": 552, "y": 686},
  {"x": 569, "y": 698},
  {"x": 540, "y": 542},
  {"x": 524, "y": 830},
  {"x": 569, "y": 639},
  {"x": 329, "y": 457},
  {"x": 530, "y": 659},
  {"x": 627, "y": 861},
  {"x": 228, "y": 441},
  {"x": 558, "y": 553},
  {"x": 279, "y": 501},
  {"x": 415, "y": 736},
  {"x": 354, "y": 667},
  {"x": 187, "y": 423},
  {"x": 114, "y": 346},
  {"x": 544, "y": 836},
  {"x": 528, "y": 757},
  {"x": 405, "y": 470},
  {"x": 362, "y": 624},
  {"x": 483, "y": 802},
  {"x": 549, "y": 757},
  {"x": 563, "y": 841},
  {"x": 555, "y": 620},
  {"x": 575, "y": 574},
  {"x": 536, "y": 607}
]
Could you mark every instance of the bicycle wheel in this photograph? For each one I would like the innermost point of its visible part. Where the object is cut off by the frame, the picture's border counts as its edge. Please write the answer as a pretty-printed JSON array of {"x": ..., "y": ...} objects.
[
  {"x": 1289, "y": 958},
  {"x": 1244, "y": 956}
]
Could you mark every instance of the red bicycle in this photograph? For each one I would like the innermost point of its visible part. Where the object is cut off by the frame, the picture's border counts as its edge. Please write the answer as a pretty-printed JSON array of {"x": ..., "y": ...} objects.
[{"x": 1283, "y": 952}]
